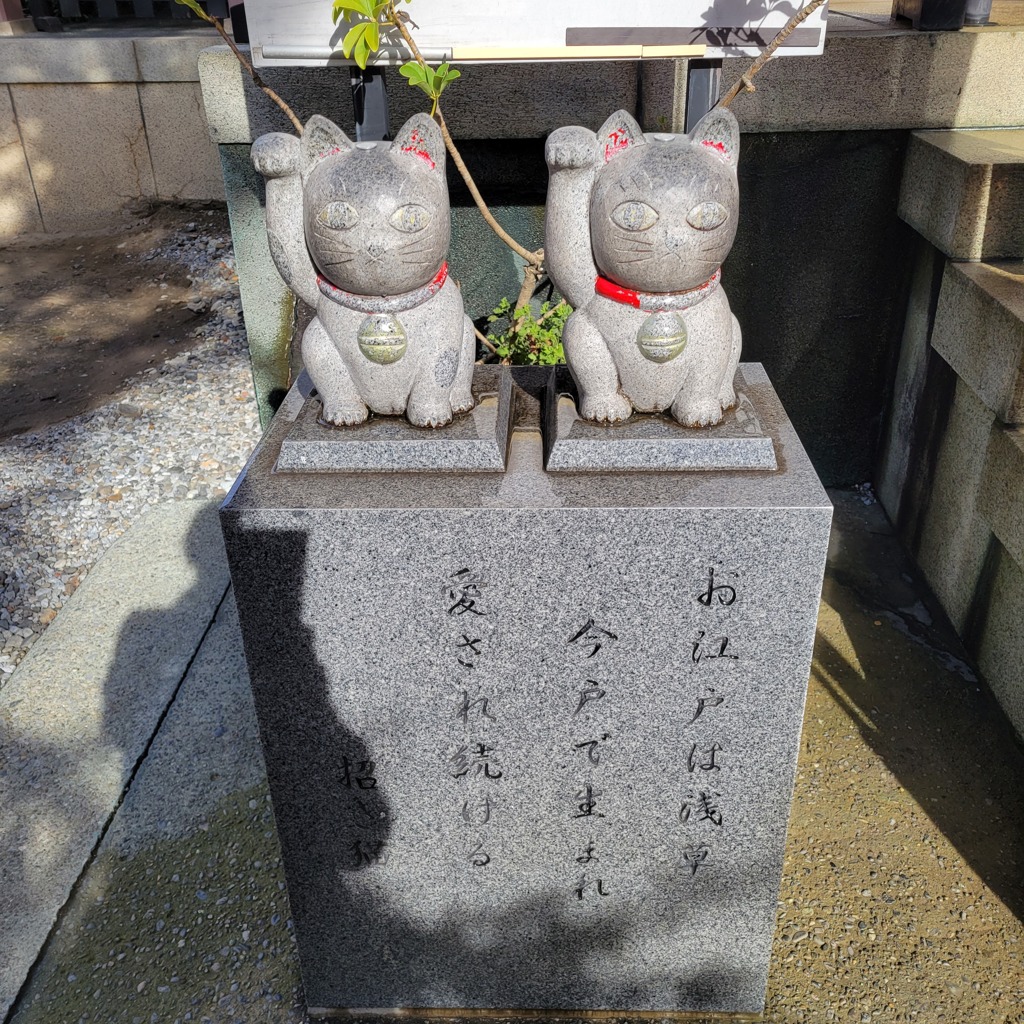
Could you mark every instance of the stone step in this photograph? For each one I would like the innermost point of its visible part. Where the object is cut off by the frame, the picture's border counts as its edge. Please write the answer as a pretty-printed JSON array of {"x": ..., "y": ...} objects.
[
  {"x": 964, "y": 191},
  {"x": 979, "y": 331}
]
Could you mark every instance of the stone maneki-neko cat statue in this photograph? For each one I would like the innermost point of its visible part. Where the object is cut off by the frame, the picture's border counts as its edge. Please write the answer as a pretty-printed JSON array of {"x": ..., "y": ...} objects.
[
  {"x": 360, "y": 231},
  {"x": 637, "y": 229}
]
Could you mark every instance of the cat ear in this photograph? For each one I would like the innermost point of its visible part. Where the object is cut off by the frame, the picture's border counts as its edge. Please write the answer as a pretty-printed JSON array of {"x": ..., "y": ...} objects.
[
  {"x": 322, "y": 138},
  {"x": 719, "y": 131},
  {"x": 420, "y": 137},
  {"x": 619, "y": 133}
]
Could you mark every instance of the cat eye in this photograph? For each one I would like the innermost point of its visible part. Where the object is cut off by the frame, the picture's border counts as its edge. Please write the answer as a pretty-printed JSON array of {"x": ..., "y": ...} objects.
[
  {"x": 634, "y": 216},
  {"x": 706, "y": 216},
  {"x": 338, "y": 215},
  {"x": 410, "y": 218}
]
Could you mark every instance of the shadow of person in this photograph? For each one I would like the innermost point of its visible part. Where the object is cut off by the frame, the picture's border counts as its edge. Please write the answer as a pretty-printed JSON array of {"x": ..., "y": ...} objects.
[
  {"x": 380, "y": 922},
  {"x": 79, "y": 715}
]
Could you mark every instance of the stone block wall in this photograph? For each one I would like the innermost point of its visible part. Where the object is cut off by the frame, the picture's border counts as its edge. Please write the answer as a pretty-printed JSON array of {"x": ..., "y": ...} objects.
[
  {"x": 952, "y": 465},
  {"x": 90, "y": 124}
]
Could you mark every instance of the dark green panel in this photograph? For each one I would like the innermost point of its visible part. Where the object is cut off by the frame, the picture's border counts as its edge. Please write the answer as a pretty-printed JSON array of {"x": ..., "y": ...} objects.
[{"x": 818, "y": 278}]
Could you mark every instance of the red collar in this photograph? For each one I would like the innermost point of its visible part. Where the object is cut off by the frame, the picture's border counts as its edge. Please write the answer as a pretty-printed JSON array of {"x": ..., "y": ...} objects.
[
  {"x": 383, "y": 303},
  {"x": 657, "y": 302}
]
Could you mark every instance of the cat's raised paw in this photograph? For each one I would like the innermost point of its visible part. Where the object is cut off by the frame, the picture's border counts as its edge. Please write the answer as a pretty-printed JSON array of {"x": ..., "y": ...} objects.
[
  {"x": 570, "y": 147},
  {"x": 276, "y": 155},
  {"x": 344, "y": 414},
  {"x": 697, "y": 412},
  {"x": 606, "y": 408}
]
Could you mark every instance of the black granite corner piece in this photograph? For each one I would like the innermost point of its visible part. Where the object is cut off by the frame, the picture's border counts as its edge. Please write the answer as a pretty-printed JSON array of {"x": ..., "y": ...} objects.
[
  {"x": 653, "y": 443},
  {"x": 476, "y": 442}
]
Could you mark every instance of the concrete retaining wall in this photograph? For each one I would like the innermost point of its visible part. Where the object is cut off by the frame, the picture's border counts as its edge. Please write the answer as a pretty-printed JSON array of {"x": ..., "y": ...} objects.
[
  {"x": 90, "y": 124},
  {"x": 952, "y": 469},
  {"x": 92, "y": 121}
]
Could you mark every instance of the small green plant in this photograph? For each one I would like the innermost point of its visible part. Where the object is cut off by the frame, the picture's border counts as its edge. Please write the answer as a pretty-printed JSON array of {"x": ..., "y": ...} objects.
[
  {"x": 529, "y": 340},
  {"x": 432, "y": 81},
  {"x": 363, "y": 38}
]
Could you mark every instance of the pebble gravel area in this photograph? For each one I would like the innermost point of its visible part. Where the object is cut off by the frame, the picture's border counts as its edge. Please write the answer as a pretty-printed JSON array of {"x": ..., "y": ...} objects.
[{"x": 179, "y": 430}]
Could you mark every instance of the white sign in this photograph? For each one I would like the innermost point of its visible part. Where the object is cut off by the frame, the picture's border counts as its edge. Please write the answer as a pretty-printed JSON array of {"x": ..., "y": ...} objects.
[{"x": 301, "y": 32}]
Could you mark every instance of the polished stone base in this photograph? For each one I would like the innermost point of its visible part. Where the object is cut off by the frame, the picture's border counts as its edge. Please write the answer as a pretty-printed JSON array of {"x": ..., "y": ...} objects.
[
  {"x": 531, "y": 737},
  {"x": 655, "y": 443},
  {"x": 476, "y": 442}
]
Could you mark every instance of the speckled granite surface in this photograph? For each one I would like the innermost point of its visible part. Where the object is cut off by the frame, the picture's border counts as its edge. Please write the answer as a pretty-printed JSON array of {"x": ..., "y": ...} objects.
[{"x": 531, "y": 738}]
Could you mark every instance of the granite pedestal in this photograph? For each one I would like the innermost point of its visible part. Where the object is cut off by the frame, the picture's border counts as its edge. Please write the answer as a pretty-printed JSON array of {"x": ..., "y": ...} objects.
[{"x": 531, "y": 737}]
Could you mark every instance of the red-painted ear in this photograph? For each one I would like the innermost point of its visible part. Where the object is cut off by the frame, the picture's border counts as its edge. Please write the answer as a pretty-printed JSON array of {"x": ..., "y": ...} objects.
[
  {"x": 321, "y": 139},
  {"x": 420, "y": 137},
  {"x": 619, "y": 133},
  {"x": 719, "y": 131}
]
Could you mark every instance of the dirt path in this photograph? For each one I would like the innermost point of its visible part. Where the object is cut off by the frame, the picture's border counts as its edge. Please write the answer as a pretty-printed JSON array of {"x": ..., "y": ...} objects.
[{"x": 79, "y": 314}]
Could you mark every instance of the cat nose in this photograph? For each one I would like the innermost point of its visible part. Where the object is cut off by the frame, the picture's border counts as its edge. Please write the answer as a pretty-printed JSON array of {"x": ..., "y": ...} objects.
[{"x": 375, "y": 250}]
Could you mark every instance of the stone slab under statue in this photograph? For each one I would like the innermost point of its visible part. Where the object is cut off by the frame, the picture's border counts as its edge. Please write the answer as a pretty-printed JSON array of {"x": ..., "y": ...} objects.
[
  {"x": 478, "y": 441},
  {"x": 531, "y": 736}
]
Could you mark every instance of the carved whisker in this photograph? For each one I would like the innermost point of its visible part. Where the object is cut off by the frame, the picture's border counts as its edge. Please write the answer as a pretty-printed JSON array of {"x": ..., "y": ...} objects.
[
  {"x": 337, "y": 263},
  {"x": 330, "y": 243},
  {"x": 643, "y": 259}
]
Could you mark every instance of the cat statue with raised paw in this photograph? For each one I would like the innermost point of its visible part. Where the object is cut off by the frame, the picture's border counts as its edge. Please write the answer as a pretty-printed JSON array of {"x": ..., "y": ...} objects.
[
  {"x": 360, "y": 232},
  {"x": 636, "y": 231}
]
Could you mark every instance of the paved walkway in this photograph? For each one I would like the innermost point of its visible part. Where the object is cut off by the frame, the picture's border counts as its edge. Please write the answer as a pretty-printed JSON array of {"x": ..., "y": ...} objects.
[{"x": 140, "y": 877}]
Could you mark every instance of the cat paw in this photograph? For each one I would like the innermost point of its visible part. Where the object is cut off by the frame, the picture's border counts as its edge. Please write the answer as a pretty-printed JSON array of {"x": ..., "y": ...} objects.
[
  {"x": 606, "y": 408},
  {"x": 570, "y": 147},
  {"x": 276, "y": 155},
  {"x": 435, "y": 415},
  {"x": 343, "y": 414},
  {"x": 727, "y": 397},
  {"x": 698, "y": 412},
  {"x": 463, "y": 403}
]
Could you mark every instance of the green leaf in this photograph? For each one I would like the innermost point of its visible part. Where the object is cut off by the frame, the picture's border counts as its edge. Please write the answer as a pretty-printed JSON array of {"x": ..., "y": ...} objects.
[
  {"x": 414, "y": 73},
  {"x": 373, "y": 36},
  {"x": 347, "y": 8},
  {"x": 442, "y": 76},
  {"x": 362, "y": 48},
  {"x": 194, "y": 7},
  {"x": 354, "y": 34}
]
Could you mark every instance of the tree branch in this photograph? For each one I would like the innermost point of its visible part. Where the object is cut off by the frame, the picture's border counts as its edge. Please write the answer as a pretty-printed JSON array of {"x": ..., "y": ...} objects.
[
  {"x": 533, "y": 258},
  {"x": 484, "y": 341},
  {"x": 744, "y": 84},
  {"x": 215, "y": 22}
]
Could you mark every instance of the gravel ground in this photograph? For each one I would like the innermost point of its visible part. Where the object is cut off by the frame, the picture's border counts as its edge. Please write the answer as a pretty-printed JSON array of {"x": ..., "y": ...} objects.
[{"x": 179, "y": 430}]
